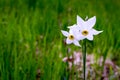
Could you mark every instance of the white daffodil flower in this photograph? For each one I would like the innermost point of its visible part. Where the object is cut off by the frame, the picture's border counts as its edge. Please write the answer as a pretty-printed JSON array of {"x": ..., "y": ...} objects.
[
  {"x": 76, "y": 29},
  {"x": 86, "y": 28},
  {"x": 71, "y": 37}
]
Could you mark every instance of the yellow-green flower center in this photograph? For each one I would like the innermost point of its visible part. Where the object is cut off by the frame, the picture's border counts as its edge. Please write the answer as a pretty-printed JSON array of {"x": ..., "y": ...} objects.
[
  {"x": 85, "y": 33},
  {"x": 71, "y": 37}
]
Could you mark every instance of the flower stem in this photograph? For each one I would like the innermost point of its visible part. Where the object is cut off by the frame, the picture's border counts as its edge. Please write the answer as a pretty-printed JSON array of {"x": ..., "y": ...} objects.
[{"x": 84, "y": 58}]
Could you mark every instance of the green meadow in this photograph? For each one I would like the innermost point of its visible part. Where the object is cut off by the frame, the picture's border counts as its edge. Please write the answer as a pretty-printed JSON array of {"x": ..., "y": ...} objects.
[{"x": 31, "y": 43}]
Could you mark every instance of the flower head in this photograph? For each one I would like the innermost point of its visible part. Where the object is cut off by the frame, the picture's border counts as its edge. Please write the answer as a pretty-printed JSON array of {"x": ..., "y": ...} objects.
[
  {"x": 86, "y": 28},
  {"x": 76, "y": 30},
  {"x": 71, "y": 36}
]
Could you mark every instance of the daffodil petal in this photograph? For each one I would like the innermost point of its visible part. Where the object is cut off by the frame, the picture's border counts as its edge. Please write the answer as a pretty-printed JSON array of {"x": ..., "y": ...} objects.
[
  {"x": 74, "y": 29},
  {"x": 73, "y": 26},
  {"x": 68, "y": 41},
  {"x": 65, "y": 33},
  {"x": 79, "y": 36},
  {"x": 80, "y": 22},
  {"x": 90, "y": 22},
  {"x": 76, "y": 32},
  {"x": 71, "y": 31},
  {"x": 95, "y": 32},
  {"x": 76, "y": 43},
  {"x": 89, "y": 37}
]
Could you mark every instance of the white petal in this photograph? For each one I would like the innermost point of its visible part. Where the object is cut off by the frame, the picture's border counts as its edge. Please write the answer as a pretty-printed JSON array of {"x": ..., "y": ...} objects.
[
  {"x": 65, "y": 33},
  {"x": 80, "y": 37},
  {"x": 90, "y": 22},
  {"x": 68, "y": 41},
  {"x": 90, "y": 37},
  {"x": 80, "y": 22},
  {"x": 74, "y": 29},
  {"x": 73, "y": 26},
  {"x": 71, "y": 31},
  {"x": 95, "y": 32},
  {"x": 76, "y": 34},
  {"x": 76, "y": 43}
]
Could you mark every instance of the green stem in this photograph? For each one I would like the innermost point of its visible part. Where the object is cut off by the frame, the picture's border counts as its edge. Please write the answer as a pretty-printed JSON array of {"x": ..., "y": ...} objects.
[{"x": 84, "y": 58}]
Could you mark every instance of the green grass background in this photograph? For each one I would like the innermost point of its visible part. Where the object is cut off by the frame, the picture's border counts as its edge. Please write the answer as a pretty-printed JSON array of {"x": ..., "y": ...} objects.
[{"x": 30, "y": 37}]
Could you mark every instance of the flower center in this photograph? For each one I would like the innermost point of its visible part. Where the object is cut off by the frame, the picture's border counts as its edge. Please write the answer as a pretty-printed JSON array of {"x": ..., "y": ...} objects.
[
  {"x": 71, "y": 37},
  {"x": 85, "y": 33}
]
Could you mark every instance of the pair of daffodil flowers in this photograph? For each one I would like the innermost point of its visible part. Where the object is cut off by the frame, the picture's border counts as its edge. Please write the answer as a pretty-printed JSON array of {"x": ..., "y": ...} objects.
[{"x": 81, "y": 30}]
